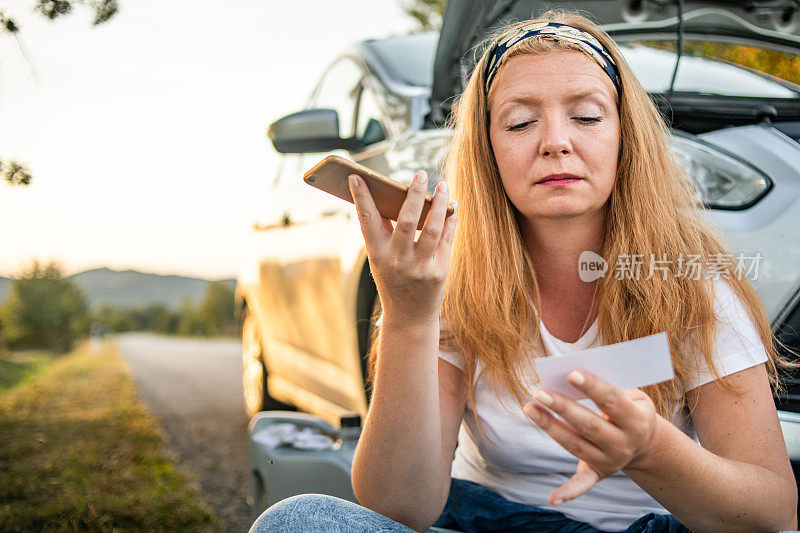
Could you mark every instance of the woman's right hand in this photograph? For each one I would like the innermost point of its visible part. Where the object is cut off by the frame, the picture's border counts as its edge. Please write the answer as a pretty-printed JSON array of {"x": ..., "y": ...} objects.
[{"x": 410, "y": 276}]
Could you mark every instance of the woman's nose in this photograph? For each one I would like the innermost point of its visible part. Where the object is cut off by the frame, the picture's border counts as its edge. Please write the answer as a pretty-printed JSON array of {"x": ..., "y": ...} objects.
[{"x": 555, "y": 138}]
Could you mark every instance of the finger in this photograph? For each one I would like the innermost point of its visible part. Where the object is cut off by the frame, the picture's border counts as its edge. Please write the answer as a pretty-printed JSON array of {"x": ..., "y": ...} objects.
[
  {"x": 585, "y": 422},
  {"x": 608, "y": 398},
  {"x": 432, "y": 230},
  {"x": 635, "y": 394},
  {"x": 580, "y": 483},
  {"x": 563, "y": 434},
  {"x": 446, "y": 242},
  {"x": 408, "y": 218},
  {"x": 372, "y": 227}
]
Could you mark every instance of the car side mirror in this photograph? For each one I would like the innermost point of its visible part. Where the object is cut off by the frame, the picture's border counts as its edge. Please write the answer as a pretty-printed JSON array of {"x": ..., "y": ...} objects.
[{"x": 308, "y": 131}]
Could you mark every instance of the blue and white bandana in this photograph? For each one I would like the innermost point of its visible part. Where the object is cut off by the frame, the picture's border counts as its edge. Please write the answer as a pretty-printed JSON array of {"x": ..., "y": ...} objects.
[{"x": 557, "y": 32}]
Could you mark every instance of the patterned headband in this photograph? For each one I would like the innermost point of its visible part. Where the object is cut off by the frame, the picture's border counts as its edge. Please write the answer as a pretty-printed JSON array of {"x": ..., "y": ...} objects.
[{"x": 556, "y": 32}]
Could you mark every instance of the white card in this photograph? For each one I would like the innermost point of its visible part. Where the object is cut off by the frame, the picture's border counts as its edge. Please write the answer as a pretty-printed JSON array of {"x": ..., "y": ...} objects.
[{"x": 626, "y": 365}]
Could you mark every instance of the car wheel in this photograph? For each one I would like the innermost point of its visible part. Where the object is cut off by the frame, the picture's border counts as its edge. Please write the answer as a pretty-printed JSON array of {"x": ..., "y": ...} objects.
[
  {"x": 259, "y": 495},
  {"x": 254, "y": 373}
]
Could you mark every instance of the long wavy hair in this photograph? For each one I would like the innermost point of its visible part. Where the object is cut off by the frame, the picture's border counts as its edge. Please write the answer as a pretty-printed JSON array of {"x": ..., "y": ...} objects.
[{"x": 651, "y": 210}]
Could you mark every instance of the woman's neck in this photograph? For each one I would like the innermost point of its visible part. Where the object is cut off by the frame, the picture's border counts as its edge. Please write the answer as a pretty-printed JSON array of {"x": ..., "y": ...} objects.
[{"x": 555, "y": 246}]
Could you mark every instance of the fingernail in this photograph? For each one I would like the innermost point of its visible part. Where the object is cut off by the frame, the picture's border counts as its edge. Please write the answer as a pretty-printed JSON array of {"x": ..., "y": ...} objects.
[
  {"x": 353, "y": 180},
  {"x": 558, "y": 502},
  {"x": 542, "y": 397},
  {"x": 442, "y": 186},
  {"x": 422, "y": 176},
  {"x": 576, "y": 377},
  {"x": 454, "y": 205}
]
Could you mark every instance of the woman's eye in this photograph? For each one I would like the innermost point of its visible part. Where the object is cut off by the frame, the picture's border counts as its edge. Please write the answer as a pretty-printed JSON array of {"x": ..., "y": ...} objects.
[
  {"x": 588, "y": 120},
  {"x": 518, "y": 126}
]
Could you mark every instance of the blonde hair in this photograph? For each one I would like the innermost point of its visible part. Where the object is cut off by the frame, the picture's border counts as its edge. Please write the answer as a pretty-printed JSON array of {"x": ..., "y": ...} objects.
[{"x": 651, "y": 210}]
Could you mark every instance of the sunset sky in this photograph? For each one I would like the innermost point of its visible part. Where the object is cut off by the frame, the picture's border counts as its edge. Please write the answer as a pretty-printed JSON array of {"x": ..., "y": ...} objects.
[{"x": 146, "y": 135}]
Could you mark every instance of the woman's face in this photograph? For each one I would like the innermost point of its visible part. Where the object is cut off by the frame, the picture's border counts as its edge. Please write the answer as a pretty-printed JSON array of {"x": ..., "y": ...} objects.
[{"x": 551, "y": 114}]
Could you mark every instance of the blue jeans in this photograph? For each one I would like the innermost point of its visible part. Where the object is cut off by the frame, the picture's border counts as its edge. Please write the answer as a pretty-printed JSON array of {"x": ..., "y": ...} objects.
[{"x": 470, "y": 508}]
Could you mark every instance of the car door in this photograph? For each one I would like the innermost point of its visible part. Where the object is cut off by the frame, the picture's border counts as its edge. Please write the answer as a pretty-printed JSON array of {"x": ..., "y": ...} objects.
[{"x": 310, "y": 327}]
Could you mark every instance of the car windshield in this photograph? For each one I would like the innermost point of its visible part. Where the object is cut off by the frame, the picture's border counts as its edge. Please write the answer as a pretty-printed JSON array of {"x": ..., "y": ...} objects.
[
  {"x": 409, "y": 58},
  {"x": 712, "y": 68}
]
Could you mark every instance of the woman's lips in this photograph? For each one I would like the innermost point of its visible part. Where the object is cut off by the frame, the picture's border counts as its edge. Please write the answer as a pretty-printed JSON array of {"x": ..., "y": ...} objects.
[
  {"x": 558, "y": 180},
  {"x": 558, "y": 183}
]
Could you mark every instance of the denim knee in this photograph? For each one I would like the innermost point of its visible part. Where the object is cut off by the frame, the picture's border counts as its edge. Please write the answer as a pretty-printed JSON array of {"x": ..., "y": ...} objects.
[
  {"x": 320, "y": 512},
  {"x": 286, "y": 514}
]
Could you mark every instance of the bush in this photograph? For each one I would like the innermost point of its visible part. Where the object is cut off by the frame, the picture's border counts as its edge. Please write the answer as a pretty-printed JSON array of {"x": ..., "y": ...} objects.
[
  {"x": 44, "y": 310},
  {"x": 215, "y": 315},
  {"x": 217, "y": 311}
]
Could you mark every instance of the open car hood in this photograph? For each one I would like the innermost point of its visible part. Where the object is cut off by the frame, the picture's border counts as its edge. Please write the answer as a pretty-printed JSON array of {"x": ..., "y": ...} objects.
[{"x": 770, "y": 23}]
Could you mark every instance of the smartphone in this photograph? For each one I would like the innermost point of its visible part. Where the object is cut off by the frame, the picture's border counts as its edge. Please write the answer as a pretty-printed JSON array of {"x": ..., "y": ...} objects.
[{"x": 330, "y": 175}]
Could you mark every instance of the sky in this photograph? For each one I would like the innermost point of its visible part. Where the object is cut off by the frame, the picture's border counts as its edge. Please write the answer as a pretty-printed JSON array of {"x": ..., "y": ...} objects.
[{"x": 146, "y": 135}]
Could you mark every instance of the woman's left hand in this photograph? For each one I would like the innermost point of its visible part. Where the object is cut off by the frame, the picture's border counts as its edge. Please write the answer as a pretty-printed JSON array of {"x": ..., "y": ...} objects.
[{"x": 604, "y": 444}]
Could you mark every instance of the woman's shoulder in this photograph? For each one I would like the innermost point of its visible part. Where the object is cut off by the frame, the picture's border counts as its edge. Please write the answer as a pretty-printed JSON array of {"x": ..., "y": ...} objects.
[
  {"x": 449, "y": 354},
  {"x": 733, "y": 317},
  {"x": 737, "y": 343}
]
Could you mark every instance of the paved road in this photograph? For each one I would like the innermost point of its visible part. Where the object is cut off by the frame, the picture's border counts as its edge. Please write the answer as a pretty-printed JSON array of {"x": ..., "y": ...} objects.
[{"x": 194, "y": 388}]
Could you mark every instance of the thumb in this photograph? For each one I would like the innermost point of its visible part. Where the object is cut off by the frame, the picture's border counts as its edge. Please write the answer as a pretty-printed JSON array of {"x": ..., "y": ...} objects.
[{"x": 581, "y": 482}]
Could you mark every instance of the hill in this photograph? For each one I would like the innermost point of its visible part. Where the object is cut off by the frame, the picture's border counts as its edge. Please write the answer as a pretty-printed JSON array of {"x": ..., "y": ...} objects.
[{"x": 129, "y": 288}]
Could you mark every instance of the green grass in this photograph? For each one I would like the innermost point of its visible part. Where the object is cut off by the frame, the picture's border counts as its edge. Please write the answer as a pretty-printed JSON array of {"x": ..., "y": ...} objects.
[
  {"x": 79, "y": 452},
  {"x": 16, "y": 367}
]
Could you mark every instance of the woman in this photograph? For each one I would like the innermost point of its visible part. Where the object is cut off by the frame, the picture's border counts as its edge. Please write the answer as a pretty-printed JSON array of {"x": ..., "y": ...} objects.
[{"x": 558, "y": 151}]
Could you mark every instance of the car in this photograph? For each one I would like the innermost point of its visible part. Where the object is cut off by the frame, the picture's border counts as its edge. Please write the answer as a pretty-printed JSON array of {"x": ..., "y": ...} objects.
[{"x": 308, "y": 301}]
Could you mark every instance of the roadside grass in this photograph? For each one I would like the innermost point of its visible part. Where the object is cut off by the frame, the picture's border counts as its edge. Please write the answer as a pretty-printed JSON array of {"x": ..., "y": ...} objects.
[
  {"x": 18, "y": 366},
  {"x": 79, "y": 452}
]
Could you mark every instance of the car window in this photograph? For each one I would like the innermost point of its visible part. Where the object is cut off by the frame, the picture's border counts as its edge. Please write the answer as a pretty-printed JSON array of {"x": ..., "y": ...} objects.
[
  {"x": 409, "y": 58},
  {"x": 369, "y": 124},
  {"x": 290, "y": 171},
  {"x": 289, "y": 167},
  {"x": 704, "y": 72},
  {"x": 339, "y": 90}
]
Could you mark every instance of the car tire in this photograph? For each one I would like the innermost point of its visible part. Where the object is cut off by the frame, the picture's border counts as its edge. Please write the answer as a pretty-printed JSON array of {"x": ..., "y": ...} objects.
[
  {"x": 254, "y": 372},
  {"x": 259, "y": 495}
]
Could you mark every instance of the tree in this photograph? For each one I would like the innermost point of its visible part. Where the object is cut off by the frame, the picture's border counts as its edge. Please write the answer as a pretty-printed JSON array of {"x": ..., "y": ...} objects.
[
  {"x": 428, "y": 13},
  {"x": 190, "y": 323},
  {"x": 12, "y": 171},
  {"x": 115, "y": 319},
  {"x": 157, "y": 318},
  {"x": 2, "y": 342},
  {"x": 217, "y": 310},
  {"x": 44, "y": 310}
]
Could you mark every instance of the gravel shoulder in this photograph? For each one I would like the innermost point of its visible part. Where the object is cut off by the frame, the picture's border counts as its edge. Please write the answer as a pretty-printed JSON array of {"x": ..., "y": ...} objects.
[{"x": 194, "y": 388}]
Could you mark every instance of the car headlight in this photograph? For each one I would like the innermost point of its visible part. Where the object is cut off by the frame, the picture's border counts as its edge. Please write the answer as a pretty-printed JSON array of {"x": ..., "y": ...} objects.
[{"x": 723, "y": 181}]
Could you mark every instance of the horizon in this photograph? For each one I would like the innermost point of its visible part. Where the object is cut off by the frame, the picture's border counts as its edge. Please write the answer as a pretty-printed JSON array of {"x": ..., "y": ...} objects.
[{"x": 133, "y": 270}]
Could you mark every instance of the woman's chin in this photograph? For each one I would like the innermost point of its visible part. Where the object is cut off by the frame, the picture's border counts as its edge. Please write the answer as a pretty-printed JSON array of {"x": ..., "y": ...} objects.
[
  {"x": 556, "y": 212},
  {"x": 565, "y": 207}
]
